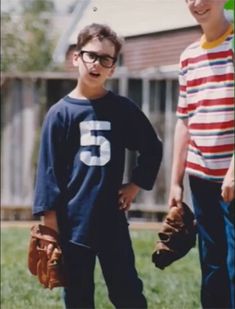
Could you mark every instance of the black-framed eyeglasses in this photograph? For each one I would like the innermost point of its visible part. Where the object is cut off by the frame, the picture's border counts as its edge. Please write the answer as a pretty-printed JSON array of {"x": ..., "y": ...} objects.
[{"x": 91, "y": 57}]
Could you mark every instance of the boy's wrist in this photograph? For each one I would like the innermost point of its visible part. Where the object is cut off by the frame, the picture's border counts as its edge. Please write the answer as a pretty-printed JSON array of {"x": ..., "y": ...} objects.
[
  {"x": 135, "y": 187},
  {"x": 177, "y": 183},
  {"x": 50, "y": 220}
]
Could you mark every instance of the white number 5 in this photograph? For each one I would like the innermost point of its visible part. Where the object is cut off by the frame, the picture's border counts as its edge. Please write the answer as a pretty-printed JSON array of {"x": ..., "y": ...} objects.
[{"x": 87, "y": 139}]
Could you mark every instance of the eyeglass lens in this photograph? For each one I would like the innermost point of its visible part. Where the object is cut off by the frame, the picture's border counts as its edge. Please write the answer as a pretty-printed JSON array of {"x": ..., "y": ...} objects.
[{"x": 91, "y": 57}]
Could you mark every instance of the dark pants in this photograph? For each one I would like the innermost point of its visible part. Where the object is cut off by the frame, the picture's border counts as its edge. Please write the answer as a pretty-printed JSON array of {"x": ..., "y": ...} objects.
[
  {"x": 215, "y": 221},
  {"x": 118, "y": 266}
]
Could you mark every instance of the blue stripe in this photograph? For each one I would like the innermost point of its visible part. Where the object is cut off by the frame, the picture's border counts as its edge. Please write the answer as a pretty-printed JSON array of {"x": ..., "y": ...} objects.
[
  {"x": 218, "y": 86},
  {"x": 219, "y": 156},
  {"x": 180, "y": 116},
  {"x": 227, "y": 109},
  {"x": 207, "y": 64},
  {"x": 216, "y": 133}
]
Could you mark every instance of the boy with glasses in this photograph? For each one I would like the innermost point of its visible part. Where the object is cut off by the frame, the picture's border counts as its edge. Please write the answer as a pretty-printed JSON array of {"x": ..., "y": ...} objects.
[
  {"x": 79, "y": 188},
  {"x": 204, "y": 148}
]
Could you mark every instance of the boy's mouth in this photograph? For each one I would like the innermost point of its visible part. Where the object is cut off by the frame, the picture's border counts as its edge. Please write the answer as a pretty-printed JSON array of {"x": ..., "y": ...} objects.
[
  {"x": 200, "y": 13},
  {"x": 94, "y": 74}
]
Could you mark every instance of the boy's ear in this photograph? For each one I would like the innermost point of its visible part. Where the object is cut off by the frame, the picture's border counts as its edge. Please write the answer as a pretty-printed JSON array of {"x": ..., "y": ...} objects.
[{"x": 75, "y": 58}]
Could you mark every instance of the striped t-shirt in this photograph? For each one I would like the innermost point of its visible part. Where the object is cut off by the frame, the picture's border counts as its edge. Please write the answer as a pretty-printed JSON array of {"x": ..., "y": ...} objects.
[{"x": 206, "y": 101}]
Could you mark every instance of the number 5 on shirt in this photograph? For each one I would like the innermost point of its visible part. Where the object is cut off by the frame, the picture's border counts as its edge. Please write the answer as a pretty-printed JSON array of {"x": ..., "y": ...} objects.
[{"x": 87, "y": 139}]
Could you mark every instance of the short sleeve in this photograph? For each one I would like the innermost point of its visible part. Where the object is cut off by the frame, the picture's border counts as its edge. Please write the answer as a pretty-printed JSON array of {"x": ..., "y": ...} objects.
[{"x": 182, "y": 109}]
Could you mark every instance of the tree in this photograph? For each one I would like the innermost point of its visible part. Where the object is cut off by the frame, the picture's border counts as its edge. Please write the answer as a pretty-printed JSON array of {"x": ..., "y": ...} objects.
[
  {"x": 229, "y": 5},
  {"x": 27, "y": 42}
]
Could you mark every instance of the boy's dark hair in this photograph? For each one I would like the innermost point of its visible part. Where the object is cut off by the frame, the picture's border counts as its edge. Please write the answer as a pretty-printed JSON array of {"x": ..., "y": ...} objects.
[{"x": 101, "y": 32}]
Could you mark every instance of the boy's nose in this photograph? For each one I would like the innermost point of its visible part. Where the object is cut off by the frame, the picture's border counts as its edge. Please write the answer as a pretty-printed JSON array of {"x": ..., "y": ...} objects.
[
  {"x": 199, "y": 3},
  {"x": 96, "y": 62}
]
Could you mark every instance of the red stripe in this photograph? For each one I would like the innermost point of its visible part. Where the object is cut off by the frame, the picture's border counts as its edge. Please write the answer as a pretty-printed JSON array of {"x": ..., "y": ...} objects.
[
  {"x": 208, "y": 171},
  {"x": 208, "y": 126},
  {"x": 216, "y": 78},
  {"x": 210, "y": 56},
  {"x": 213, "y": 149},
  {"x": 182, "y": 110},
  {"x": 192, "y": 107},
  {"x": 212, "y": 102},
  {"x": 182, "y": 88}
]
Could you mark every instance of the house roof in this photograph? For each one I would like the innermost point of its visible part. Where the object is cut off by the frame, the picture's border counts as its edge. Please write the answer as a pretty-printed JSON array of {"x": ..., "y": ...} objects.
[{"x": 135, "y": 17}]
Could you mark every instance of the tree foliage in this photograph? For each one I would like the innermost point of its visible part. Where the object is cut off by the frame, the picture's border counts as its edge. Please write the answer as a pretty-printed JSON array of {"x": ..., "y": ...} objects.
[
  {"x": 229, "y": 5},
  {"x": 27, "y": 40}
]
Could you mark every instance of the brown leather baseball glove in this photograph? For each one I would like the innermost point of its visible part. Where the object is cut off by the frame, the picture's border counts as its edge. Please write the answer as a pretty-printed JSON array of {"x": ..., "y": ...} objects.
[
  {"x": 48, "y": 269},
  {"x": 177, "y": 236}
]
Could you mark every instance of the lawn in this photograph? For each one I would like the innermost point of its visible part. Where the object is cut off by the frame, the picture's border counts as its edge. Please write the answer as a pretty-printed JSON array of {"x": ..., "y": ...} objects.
[{"x": 176, "y": 287}]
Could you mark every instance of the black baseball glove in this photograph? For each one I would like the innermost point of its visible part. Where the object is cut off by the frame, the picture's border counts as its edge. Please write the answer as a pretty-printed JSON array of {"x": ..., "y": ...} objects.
[{"x": 177, "y": 236}]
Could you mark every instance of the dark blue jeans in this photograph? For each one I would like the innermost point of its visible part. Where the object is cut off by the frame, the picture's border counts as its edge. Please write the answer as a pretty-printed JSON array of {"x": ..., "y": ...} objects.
[
  {"x": 215, "y": 221},
  {"x": 118, "y": 266}
]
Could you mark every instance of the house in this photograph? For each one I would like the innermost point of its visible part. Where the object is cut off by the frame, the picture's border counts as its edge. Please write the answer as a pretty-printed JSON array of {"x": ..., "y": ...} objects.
[{"x": 156, "y": 32}]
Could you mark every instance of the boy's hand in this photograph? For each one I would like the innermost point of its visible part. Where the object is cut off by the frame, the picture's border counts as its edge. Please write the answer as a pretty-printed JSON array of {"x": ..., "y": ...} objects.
[
  {"x": 127, "y": 193},
  {"x": 175, "y": 196},
  {"x": 228, "y": 188}
]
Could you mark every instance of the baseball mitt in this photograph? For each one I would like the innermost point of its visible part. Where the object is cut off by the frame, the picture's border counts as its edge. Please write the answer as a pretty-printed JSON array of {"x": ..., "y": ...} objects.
[
  {"x": 48, "y": 269},
  {"x": 177, "y": 236}
]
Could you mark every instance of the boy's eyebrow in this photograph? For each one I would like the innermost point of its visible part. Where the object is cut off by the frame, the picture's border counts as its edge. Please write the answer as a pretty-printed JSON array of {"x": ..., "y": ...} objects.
[{"x": 94, "y": 52}]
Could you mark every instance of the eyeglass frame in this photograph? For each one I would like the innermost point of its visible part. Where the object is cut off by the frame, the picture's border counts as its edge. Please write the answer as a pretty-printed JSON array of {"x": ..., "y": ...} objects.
[{"x": 99, "y": 57}]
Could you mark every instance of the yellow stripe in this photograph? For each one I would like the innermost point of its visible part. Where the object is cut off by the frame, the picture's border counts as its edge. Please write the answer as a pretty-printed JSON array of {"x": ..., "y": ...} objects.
[{"x": 207, "y": 45}]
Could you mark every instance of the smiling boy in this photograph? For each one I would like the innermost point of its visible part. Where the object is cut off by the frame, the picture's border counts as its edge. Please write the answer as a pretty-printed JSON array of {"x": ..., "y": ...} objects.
[{"x": 204, "y": 148}]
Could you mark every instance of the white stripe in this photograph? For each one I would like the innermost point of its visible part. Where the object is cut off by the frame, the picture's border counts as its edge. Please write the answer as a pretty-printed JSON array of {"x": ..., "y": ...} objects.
[
  {"x": 210, "y": 94},
  {"x": 194, "y": 158},
  {"x": 213, "y": 164},
  {"x": 214, "y": 85},
  {"x": 195, "y": 49},
  {"x": 203, "y": 175},
  {"x": 207, "y": 118},
  {"x": 213, "y": 141},
  {"x": 210, "y": 70}
]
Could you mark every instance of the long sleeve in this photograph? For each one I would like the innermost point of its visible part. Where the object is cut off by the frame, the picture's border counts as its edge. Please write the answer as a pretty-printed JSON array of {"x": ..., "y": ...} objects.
[
  {"x": 142, "y": 138},
  {"x": 50, "y": 177}
]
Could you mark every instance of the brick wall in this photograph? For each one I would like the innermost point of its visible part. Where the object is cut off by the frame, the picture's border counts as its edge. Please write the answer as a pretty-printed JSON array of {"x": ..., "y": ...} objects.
[{"x": 157, "y": 49}]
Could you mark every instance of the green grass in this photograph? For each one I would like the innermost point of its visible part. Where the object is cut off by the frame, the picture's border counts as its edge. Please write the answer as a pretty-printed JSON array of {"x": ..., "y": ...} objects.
[{"x": 176, "y": 287}]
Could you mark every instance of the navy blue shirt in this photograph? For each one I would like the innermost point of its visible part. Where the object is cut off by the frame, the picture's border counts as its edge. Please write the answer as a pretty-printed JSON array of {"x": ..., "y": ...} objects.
[{"x": 81, "y": 163}]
